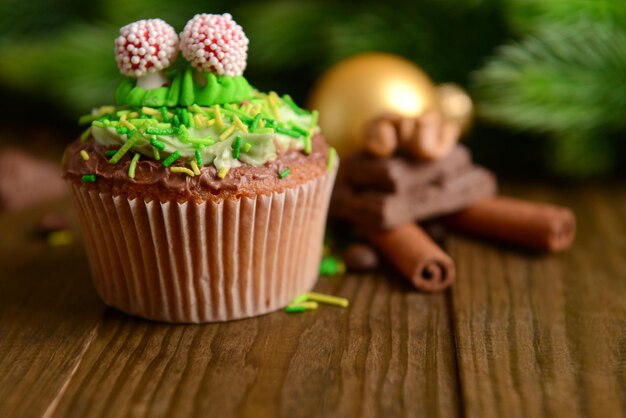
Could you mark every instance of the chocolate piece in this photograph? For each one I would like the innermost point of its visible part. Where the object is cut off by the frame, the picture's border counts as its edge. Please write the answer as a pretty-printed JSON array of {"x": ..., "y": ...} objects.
[
  {"x": 412, "y": 252},
  {"x": 360, "y": 257},
  {"x": 381, "y": 138},
  {"x": 385, "y": 210},
  {"x": 434, "y": 137},
  {"x": 399, "y": 174},
  {"x": 26, "y": 180},
  {"x": 535, "y": 226}
]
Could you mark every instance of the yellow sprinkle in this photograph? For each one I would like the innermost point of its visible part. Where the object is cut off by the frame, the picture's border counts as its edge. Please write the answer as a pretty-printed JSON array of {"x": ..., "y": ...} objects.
[
  {"x": 127, "y": 124},
  {"x": 210, "y": 123},
  {"x": 194, "y": 167},
  {"x": 60, "y": 238},
  {"x": 182, "y": 170},
  {"x": 103, "y": 110},
  {"x": 227, "y": 132},
  {"x": 261, "y": 123},
  {"x": 150, "y": 111},
  {"x": 222, "y": 172},
  {"x": 309, "y": 306},
  {"x": 273, "y": 102},
  {"x": 327, "y": 299},
  {"x": 85, "y": 135},
  {"x": 253, "y": 110},
  {"x": 239, "y": 124},
  {"x": 200, "y": 120},
  {"x": 123, "y": 118},
  {"x": 218, "y": 116},
  {"x": 85, "y": 155},
  {"x": 133, "y": 115}
]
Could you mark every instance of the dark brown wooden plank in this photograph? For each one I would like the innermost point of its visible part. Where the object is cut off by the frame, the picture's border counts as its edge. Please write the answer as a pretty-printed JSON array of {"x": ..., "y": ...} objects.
[
  {"x": 546, "y": 336},
  {"x": 49, "y": 314},
  {"x": 390, "y": 354}
]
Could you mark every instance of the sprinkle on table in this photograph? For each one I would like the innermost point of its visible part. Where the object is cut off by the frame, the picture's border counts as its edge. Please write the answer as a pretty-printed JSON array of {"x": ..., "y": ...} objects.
[
  {"x": 170, "y": 160},
  {"x": 284, "y": 173},
  {"x": 60, "y": 238},
  {"x": 85, "y": 155},
  {"x": 89, "y": 178},
  {"x": 301, "y": 307},
  {"x": 133, "y": 165},
  {"x": 328, "y": 299}
]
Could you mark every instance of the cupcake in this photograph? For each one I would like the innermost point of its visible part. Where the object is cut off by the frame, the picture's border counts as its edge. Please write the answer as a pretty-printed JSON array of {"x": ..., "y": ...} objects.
[{"x": 200, "y": 198}]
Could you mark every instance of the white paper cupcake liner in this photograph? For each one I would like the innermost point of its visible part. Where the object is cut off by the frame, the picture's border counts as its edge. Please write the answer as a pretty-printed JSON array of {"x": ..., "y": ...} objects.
[{"x": 191, "y": 263}]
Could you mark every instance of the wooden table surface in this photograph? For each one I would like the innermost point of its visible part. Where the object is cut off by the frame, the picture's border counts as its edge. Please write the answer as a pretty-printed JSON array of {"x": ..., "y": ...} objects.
[{"x": 519, "y": 335}]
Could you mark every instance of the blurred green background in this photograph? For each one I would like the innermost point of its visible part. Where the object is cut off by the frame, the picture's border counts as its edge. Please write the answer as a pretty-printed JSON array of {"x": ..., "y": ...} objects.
[{"x": 548, "y": 77}]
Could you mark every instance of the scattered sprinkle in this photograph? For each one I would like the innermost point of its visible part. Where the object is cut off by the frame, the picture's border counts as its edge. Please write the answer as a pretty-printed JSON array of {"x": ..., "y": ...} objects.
[
  {"x": 301, "y": 307},
  {"x": 330, "y": 164},
  {"x": 246, "y": 147},
  {"x": 150, "y": 111},
  {"x": 308, "y": 146},
  {"x": 121, "y": 130},
  {"x": 331, "y": 266},
  {"x": 124, "y": 149},
  {"x": 255, "y": 122},
  {"x": 60, "y": 238},
  {"x": 299, "y": 299},
  {"x": 239, "y": 124},
  {"x": 286, "y": 131},
  {"x": 110, "y": 152},
  {"x": 284, "y": 173},
  {"x": 176, "y": 120},
  {"x": 157, "y": 144},
  {"x": 199, "y": 158},
  {"x": 128, "y": 125},
  {"x": 133, "y": 165},
  {"x": 222, "y": 172},
  {"x": 170, "y": 160},
  {"x": 298, "y": 129},
  {"x": 327, "y": 299},
  {"x": 89, "y": 178},
  {"x": 157, "y": 154},
  {"x": 227, "y": 133},
  {"x": 161, "y": 131},
  {"x": 86, "y": 134},
  {"x": 184, "y": 116},
  {"x": 182, "y": 170},
  {"x": 164, "y": 116},
  {"x": 195, "y": 168},
  {"x": 236, "y": 146},
  {"x": 85, "y": 155},
  {"x": 218, "y": 116},
  {"x": 273, "y": 101}
]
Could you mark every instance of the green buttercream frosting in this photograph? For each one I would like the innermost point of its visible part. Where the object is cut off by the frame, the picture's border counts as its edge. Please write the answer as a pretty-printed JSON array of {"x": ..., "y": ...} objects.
[{"x": 186, "y": 89}]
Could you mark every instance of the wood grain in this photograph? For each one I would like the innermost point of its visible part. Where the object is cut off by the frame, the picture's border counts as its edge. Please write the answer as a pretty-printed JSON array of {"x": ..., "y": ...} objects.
[
  {"x": 546, "y": 336},
  {"x": 390, "y": 354}
]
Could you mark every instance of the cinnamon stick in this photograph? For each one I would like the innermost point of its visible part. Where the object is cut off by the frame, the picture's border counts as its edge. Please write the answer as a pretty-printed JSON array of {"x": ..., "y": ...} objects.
[
  {"x": 535, "y": 226},
  {"x": 415, "y": 255}
]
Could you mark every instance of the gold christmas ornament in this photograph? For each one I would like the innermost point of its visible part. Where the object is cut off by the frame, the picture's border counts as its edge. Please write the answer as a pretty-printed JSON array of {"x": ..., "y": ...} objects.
[
  {"x": 456, "y": 105},
  {"x": 366, "y": 86}
]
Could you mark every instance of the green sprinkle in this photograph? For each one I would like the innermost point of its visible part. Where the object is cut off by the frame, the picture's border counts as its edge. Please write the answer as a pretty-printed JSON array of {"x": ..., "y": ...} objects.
[
  {"x": 270, "y": 123},
  {"x": 330, "y": 164},
  {"x": 121, "y": 130},
  {"x": 130, "y": 134},
  {"x": 97, "y": 124},
  {"x": 110, "y": 152},
  {"x": 246, "y": 147},
  {"x": 157, "y": 154},
  {"x": 298, "y": 129},
  {"x": 255, "y": 122},
  {"x": 183, "y": 134},
  {"x": 85, "y": 119},
  {"x": 85, "y": 135},
  {"x": 161, "y": 131},
  {"x": 164, "y": 114},
  {"x": 295, "y": 308},
  {"x": 89, "y": 178},
  {"x": 284, "y": 173},
  {"x": 184, "y": 117},
  {"x": 236, "y": 146},
  {"x": 157, "y": 144},
  {"x": 299, "y": 299},
  {"x": 199, "y": 159},
  {"x": 176, "y": 120},
  {"x": 286, "y": 131},
  {"x": 296, "y": 109},
  {"x": 307, "y": 145},
  {"x": 331, "y": 266},
  {"x": 133, "y": 165},
  {"x": 170, "y": 160}
]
